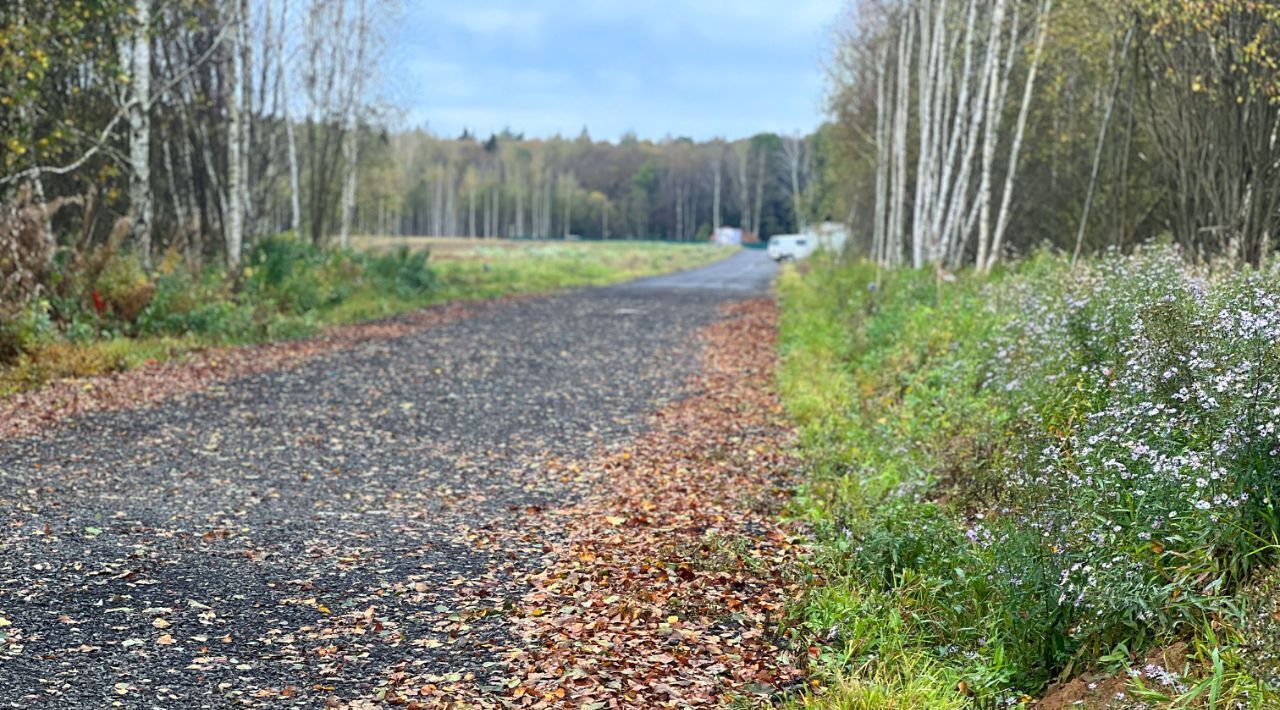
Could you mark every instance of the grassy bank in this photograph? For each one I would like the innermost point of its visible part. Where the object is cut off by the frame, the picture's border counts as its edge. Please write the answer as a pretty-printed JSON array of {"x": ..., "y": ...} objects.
[
  {"x": 105, "y": 314},
  {"x": 1047, "y": 484}
]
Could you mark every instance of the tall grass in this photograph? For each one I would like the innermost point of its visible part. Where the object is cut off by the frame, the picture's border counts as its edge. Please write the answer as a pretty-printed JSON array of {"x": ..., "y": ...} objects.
[{"x": 1019, "y": 479}]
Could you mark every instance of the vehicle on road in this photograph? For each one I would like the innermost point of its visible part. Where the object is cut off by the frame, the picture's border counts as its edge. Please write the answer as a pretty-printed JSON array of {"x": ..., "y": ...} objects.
[
  {"x": 784, "y": 247},
  {"x": 827, "y": 235}
]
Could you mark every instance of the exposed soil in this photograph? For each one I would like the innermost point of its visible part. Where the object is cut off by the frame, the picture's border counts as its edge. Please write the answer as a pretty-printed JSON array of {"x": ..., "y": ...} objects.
[{"x": 1098, "y": 691}]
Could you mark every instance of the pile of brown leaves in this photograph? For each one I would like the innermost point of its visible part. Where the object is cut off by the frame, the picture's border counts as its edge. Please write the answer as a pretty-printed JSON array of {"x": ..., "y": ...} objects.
[
  {"x": 666, "y": 585},
  {"x": 29, "y": 412}
]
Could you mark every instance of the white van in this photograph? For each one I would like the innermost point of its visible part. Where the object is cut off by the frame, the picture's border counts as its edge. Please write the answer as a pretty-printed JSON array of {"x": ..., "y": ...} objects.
[{"x": 791, "y": 246}]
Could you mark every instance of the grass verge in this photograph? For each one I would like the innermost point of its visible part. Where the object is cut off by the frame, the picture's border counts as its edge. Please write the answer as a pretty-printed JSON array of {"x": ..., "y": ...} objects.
[{"x": 1032, "y": 488}]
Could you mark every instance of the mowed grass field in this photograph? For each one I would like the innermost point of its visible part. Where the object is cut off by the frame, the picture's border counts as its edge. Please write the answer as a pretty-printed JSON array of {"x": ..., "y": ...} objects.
[{"x": 487, "y": 268}]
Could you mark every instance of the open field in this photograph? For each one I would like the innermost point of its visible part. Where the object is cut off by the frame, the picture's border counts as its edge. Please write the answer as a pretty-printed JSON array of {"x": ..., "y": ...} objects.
[
  {"x": 290, "y": 290},
  {"x": 487, "y": 268}
]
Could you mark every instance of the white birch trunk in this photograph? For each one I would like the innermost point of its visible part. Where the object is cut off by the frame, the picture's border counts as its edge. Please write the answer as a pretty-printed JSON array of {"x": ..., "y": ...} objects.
[
  {"x": 947, "y": 190},
  {"x": 717, "y": 167},
  {"x": 989, "y": 135},
  {"x": 793, "y": 151},
  {"x": 234, "y": 227},
  {"x": 898, "y": 201},
  {"x": 882, "y": 158},
  {"x": 295, "y": 179},
  {"x": 471, "y": 213},
  {"x": 140, "y": 131},
  {"x": 756, "y": 212},
  {"x": 520, "y": 205},
  {"x": 1002, "y": 219},
  {"x": 350, "y": 137},
  {"x": 924, "y": 98},
  {"x": 568, "y": 196}
]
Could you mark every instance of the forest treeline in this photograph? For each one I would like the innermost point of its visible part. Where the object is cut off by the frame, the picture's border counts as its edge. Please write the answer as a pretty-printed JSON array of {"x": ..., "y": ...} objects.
[
  {"x": 508, "y": 185},
  {"x": 966, "y": 131}
]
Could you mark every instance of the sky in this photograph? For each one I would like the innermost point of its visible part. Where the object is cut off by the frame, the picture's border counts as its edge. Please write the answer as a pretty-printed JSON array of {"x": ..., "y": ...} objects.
[{"x": 663, "y": 68}]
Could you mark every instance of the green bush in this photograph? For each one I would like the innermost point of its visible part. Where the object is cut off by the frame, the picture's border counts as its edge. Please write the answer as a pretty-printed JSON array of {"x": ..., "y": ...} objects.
[
  {"x": 402, "y": 272},
  {"x": 297, "y": 276},
  {"x": 21, "y": 330},
  {"x": 186, "y": 303},
  {"x": 300, "y": 277}
]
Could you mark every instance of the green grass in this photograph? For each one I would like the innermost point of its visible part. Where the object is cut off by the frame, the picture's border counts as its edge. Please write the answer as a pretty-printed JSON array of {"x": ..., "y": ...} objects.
[
  {"x": 1018, "y": 479},
  {"x": 516, "y": 268},
  {"x": 290, "y": 290}
]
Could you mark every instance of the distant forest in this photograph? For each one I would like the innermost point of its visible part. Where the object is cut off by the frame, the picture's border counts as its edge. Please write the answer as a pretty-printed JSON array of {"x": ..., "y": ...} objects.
[{"x": 507, "y": 185}]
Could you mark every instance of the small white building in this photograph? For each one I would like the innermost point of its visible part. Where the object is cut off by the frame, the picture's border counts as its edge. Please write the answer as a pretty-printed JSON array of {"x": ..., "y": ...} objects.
[
  {"x": 829, "y": 235},
  {"x": 731, "y": 236}
]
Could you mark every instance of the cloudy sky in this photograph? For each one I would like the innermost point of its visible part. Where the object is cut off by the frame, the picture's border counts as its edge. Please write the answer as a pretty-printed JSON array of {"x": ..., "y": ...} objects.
[{"x": 697, "y": 68}]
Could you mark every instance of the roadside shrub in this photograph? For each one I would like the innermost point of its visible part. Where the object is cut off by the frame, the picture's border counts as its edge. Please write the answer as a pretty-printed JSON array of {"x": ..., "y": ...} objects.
[
  {"x": 122, "y": 289},
  {"x": 402, "y": 272},
  {"x": 21, "y": 330},
  {"x": 189, "y": 303},
  {"x": 94, "y": 304},
  {"x": 298, "y": 276}
]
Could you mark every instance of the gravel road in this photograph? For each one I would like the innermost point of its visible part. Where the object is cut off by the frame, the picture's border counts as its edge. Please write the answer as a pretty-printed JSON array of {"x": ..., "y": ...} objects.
[{"x": 289, "y": 537}]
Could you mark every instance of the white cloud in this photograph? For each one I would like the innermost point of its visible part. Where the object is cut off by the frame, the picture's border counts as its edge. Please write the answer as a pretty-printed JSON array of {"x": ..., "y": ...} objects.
[{"x": 495, "y": 21}]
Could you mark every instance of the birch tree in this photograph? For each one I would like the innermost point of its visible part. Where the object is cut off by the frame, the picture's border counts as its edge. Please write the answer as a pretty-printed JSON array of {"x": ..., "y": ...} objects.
[
  {"x": 717, "y": 175},
  {"x": 1011, "y": 170},
  {"x": 794, "y": 153},
  {"x": 742, "y": 159},
  {"x": 990, "y": 133},
  {"x": 236, "y": 178},
  {"x": 350, "y": 138},
  {"x": 140, "y": 130},
  {"x": 898, "y": 190},
  {"x": 882, "y": 157}
]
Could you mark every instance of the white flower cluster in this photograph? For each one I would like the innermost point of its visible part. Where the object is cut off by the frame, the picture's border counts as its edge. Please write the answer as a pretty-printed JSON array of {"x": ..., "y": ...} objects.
[{"x": 1158, "y": 392}]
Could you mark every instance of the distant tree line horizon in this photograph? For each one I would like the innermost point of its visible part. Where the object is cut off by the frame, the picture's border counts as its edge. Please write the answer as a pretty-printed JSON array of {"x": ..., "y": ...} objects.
[{"x": 416, "y": 182}]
